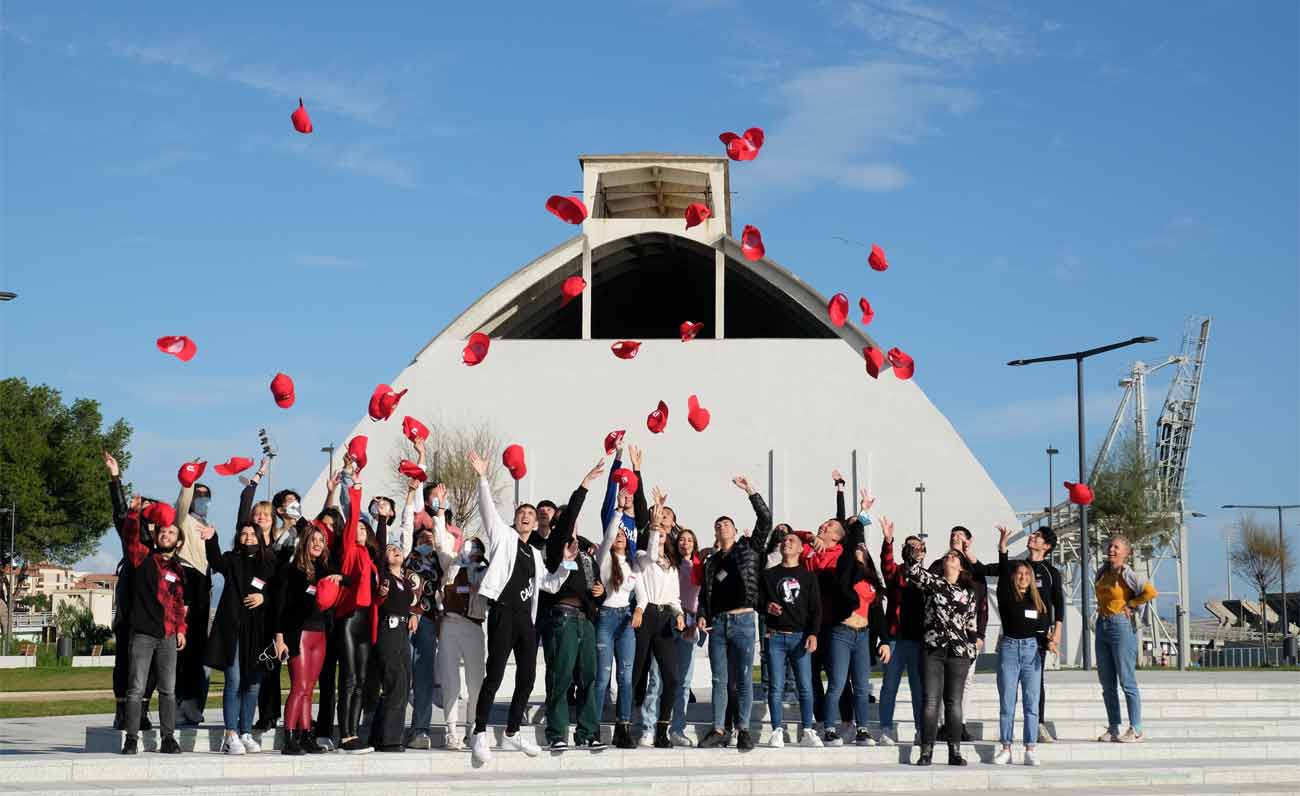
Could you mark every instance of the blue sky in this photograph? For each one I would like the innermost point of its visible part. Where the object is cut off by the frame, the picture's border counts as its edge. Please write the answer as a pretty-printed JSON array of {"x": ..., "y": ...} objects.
[{"x": 1045, "y": 177}]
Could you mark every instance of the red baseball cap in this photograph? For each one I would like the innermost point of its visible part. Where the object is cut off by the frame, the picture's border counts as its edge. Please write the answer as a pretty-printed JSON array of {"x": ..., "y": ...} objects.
[
  {"x": 751, "y": 243},
  {"x": 160, "y": 514},
  {"x": 625, "y": 349},
  {"x": 327, "y": 593},
  {"x": 902, "y": 364},
  {"x": 190, "y": 472},
  {"x": 696, "y": 213},
  {"x": 233, "y": 466},
  {"x": 877, "y": 258},
  {"x": 875, "y": 360},
  {"x": 410, "y": 469},
  {"x": 282, "y": 390},
  {"x": 513, "y": 459},
  {"x": 383, "y": 401},
  {"x": 690, "y": 330},
  {"x": 612, "y": 439},
  {"x": 476, "y": 350},
  {"x": 626, "y": 479},
  {"x": 414, "y": 430},
  {"x": 301, "y": 121},
  {"x": 181, "y": 347},
  {"x": 743, "y": 147},
  {"x": 868, "y": 314},
  {"x": 569, "y": 209},
  {"x": 1080, "y": 494},
  {"x": 838, "y": 309},
  {"x": 572, "y": 288},
  {"x": 696, "y": 415},
  {"x": 657, "y": 420},
  {"x": 357, "y": 450}
]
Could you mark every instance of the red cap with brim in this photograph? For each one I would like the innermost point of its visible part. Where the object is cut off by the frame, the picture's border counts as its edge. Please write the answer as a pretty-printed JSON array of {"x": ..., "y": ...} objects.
[
  {"x": 181, "y": 347},
  {"x": 476, "y": 350},
  {"x": 383, "y": 401},
  {"x": 357, "y": 450},
  {"x": 689, "y": 330},
  {"x": 875, "y": 360},
  {"x": 751, "y": 243},
  {"x": 414, "y": 430},
  {"x": 697, "y": 213},
  {"x": 902, "y": 364},
  {"x": 513, "y": 459},
  {"x": 569, "y": 209},
  {"x": 612, "y": 439},
  {"x": 696, "y": 415},
  {"x": 190, "y": 472},
  {"x": 282, "y": 390},
  {"x": 838, "y": 309},
  {"x": 877, "y": 258},
  {"x": 327, "y": 593},
  {"x": 657, "y": 420},
  {"x": 1080, "y": 494},
  {"x": 412, "y": 470},
  {"x": 625, "y": 349},
  {"x": 301, "y": 121},
  {"x": 160, "y": 514},
  {"x": 626, "y": 480},
  {"x": 234, "y": 466},
  {"x": 572, "y": 288},
  {"x": 868, "y": 314}
]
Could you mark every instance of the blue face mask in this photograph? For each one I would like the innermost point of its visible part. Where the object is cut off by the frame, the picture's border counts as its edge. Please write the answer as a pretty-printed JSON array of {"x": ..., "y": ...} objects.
[
  {"x": 199, "y": 507},
  {"x": 423, "y": 549}
]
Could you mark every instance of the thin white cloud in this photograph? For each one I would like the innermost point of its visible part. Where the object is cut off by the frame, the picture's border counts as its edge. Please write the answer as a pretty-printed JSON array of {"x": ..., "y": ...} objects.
[
  {"x": 958, "y": 34},
  {"x": 1036, "y": 416},
  {"x": 358, "y": 157}
]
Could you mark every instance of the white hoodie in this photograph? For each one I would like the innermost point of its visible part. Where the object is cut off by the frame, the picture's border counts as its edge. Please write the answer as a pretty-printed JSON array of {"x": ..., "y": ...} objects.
[{"x": 502, "y": 542}]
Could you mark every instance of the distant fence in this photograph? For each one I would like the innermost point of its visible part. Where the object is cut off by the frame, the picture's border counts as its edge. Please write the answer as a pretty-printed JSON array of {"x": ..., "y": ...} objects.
[{"x": 1239, "y": 657}]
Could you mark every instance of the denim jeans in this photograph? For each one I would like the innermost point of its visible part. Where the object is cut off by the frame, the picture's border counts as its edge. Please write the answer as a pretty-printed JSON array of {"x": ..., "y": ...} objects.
[
  {"x": 783, "y": 649},
  {"x": 731, "y": 657},
  {"x": 1116, "y": 647},
  {"x": 152, "y": 652},
  {"x": 1019, "y": 664},
  {"x": 905, "y": 655},
  {"x": 850, "y": 648},
  {"x": 239, "y": 696},
  {"x": 649, "y": 712},
  {"x": 424, "y": 651},
  {"x": 685, "y": 665},
  {"x": 615, "y": 641}
]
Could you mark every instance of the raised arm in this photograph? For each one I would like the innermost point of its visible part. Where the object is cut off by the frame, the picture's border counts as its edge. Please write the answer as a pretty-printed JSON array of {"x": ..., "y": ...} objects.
[
  {"x": 609, "y": 504},
  {"x": 888, "y": 567},
  {"x": 762, "y": 515},
  {"x": 640, "y": 509},
  {"x": 133, "y": 549},
  {"x": 493, "y": 527},
  {"x": 838, "y": 480},
  {"x": 115, "y": 491},
  {"x": 611, "y": 533},
  {"x": 213, "y": 546}
]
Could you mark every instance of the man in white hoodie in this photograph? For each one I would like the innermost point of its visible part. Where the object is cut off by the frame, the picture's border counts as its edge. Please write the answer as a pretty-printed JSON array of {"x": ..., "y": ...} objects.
[{"x": 512, "y": 582}]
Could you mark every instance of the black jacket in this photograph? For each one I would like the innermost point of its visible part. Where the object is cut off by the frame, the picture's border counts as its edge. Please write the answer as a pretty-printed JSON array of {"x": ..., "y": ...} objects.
[
  {"x": 245, "y": 576},
  {"x": 744, "y": 560}
]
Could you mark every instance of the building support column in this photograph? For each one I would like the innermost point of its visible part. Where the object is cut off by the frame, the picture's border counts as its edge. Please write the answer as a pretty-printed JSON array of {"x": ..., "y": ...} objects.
[
  {"x": 586, "y": 291},
  {"x": 719, "y": 291}
]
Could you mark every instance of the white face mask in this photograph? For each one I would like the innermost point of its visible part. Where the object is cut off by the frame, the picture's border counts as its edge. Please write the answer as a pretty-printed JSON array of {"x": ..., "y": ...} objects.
[{"x": 292, "y": 510}]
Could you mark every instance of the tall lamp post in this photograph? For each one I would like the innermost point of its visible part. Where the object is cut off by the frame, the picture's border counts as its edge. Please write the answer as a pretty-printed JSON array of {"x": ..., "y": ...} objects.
[
  {"x": 1281, "y": 549},
  {"x": 1085, "y": 556},
  {"x": 11, "y": 577},
  {"x": 1051, "y": 503},
  {"x": 7, "y": 295},
  {"x": 329, "y": 468},
  {"x": 920, "y": 491}
]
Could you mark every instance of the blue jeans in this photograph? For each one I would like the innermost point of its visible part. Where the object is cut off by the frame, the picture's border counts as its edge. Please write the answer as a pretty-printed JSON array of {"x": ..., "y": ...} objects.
[
  {"x": 239, "y": 697},
  {"x": 615, "y": 641},
  {"x": 685, "y": 665},
  {"x": 904, "y": 655},
  {"x": 849, "y": 648},
  {"x": 783, "y": 649},
  {"x": 1116, "y": 647},
  {"x": 731, "y": 655},
  {"x": 1019, "y": 664},
  {"x": 424, "y": 648},
  {"x": 649, "y": 713}
]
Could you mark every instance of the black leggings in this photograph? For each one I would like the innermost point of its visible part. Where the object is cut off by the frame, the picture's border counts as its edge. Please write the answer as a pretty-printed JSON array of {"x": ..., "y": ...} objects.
[
  {"x": 328, "y": 675},
  {"x": 391, "y": 664},
  {"x": 945, "y": 679},
  {"x": 508, "y": 631},
  {"x": 353, "y": 644},
  {"x": 656, "y": 636}
]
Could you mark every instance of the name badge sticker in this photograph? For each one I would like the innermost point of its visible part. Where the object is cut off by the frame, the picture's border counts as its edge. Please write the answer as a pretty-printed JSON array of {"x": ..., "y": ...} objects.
[
  {"x": 393, "y": 621},
  {"x": 462, "y": 590},
  {"x": 311, "y": 590},
  {"x": 722, "y": 575},
  {"x": 170, "y": 577},
  {"x": 258, "y": 583},
  {"x": 1030, "y": 613},
  {"x": 571, "y": 565}
]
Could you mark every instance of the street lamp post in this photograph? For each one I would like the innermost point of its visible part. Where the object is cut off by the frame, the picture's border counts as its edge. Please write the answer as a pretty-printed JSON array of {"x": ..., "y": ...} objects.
[
  {"x": 12, "y": 511},
  {"x": 920, "y": 491},
  {"x": 1085, "y": 554},
  {"x": 329, "y": 468},
  {"x": 1281, "y": 551},
  {"x": 7, "y": 295},
  {"x": 1051, "y": 504}
]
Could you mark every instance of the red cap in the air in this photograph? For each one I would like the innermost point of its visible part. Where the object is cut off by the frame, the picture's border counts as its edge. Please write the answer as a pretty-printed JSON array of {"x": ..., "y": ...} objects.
[
  {"x": 513, "y": 459},
  {"x": 751, "y": 243},
  {"x": 690, "y": 330},
  {"x": 282, "y": 390},
  {"x": 383, "y": 401},
  {"x": 414, "y": 430},
  {"x": 1080, "y": 494},
  {"x": 625, "y": 349},
  {"x": 696, "y": 213},
  {"x": 160, "y": 514},
  {"x": 301, "y": 121},
  {"x": 612, "y": 439},
  {"x": 868, "y": 314},
  {"x": 657, "y": 420},
  {"x": 233, "y": 466},
  {"x": 476, "y": 350},
  {"x": 357, "y": 450},
  {"x": 567, "y": 208},
  {"x": 696, "y": 415},
  {"x": 875, "y": 360},
  {"x": 190, "y": 472},
  {"x": 626, "y": 480},
  {"x": 743, "y": 147},
  {"x": 877, "y": 258},
  {"x": 181, "y": 347},
  {"x": 410, "y": 469},
  {"x": 838, "y": 309},
  {"x": 572, "y": 288},
  {"x": 902, "y": 364}
]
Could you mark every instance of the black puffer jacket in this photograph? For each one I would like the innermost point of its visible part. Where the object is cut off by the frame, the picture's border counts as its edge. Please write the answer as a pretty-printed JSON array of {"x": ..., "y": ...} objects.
[{"x": 743, "y": 562}]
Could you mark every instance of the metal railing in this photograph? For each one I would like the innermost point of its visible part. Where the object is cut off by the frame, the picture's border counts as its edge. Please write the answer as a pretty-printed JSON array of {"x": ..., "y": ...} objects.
[{"x": 1237, "y": 657}]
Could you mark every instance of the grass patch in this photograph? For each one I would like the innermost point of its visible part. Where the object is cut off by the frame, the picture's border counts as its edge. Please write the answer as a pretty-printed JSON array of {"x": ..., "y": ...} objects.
[{"x": 66, "y": 678}]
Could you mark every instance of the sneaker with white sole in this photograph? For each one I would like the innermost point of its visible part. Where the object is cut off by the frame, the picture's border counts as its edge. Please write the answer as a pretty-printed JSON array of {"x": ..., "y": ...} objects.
[
  {"x": 1002, "y": 757},
  {"x": 1044, "y": 735},
  {"x": 777, "y": 741},
  {"x": 519, "y": 743},
  {"x": 679, "y": 739},
  {"x": 232, "y": 746},
  {"x": 646, "y": 739},
  {"x": 811, "y": 739},
  {"x": 453, "y": 741},
  {"x": 1109, "y": 736},
  {"x": 888, "y": 737},
  {"x": 559, "y": 746},
  {"x": 832, "y": 738},
  {"x": 1131, "y": 736},
  {"x": 325, "y": 743},
  {"x": 250, "y": 745},
  {"x": 1031, "y": 758},
  {"x": 482, "y": 748},
  {"x": 863, "y": 737}
]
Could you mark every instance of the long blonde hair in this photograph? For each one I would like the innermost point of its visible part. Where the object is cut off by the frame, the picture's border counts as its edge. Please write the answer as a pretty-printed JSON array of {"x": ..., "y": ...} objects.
[{"x": 1037, "y": 598}]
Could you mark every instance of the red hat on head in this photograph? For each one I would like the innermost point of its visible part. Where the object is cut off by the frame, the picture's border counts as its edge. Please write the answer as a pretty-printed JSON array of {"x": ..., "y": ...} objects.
[
  {"x": 696, "y": 415},
  {"x": 626, "y": 480},
  {"x": 1080, "y": 494},
  {"x": 743, "y": 147},
  {"x": 160, "y": 514},
  {"x": 567, "y": 208},
  {"x": 696, "y": 213},
  {"x": 875, "y": 360},
  {"x": 327, "y": 593},
  {"x": 902, "y": 364},
  {"x": 357, "y": 450},
  {"x": 181, "y": 347},
  {"x": 513, "y": 459},
  {"x": 301, "y": 121},
  {"x": 690, "y": 330},
  {"x": 383, "y": 401},
  {"x": 838, "y": 309},
  {"x": 877, "y": 258},
  {"x": 612, "y": 439},
  {"x": 572, "y": 288},
  {"x": 414, "y": 430},
  {"x": 868, "y": 314},
  {"x": 625, "y": 349},
  {"x": 190, "y": 472},
  {"x": 657, "y": 420},
  {"x": 751, "y": 243},
  {"x": 282, "y": 391},
  {"x": 233, "y": 466},
  {"x": 410, "y": 469},
  {"x": 476, "y": 349}
]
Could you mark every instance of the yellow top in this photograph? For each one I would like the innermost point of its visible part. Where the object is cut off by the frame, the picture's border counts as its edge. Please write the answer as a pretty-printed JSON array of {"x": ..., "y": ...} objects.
[{"x": 1117, "y": 589}]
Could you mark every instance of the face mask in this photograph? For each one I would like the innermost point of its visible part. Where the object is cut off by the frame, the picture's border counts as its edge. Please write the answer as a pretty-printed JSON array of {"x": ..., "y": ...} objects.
[
  {"x": 292, "y": 510},
  {"x": 199, "y": 507},
  {"x": 424, "y": 549},
  {"x": 373, "y": 508}
]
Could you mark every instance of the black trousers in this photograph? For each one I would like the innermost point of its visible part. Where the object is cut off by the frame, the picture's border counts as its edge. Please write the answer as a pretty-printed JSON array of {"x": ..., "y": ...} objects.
[
  {"x": 1042, "y": 686},
  {"x": 353, "y": 636},
  {"x": 122, "y": 666},
  {"x": 268, "y": 696},
  {"x": 328, "y": 674},
  {"x": 191, "y": 677},
  {"x": 509, "y": 631},
  {"x": 656, "y": 637},
  {"x": 392, "y": 660},
  {"x": 945, "y": 680}
]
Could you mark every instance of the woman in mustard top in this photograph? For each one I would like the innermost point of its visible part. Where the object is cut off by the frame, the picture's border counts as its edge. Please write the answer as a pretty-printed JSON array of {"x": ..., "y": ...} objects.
[{"x": 1120, "y": 590}]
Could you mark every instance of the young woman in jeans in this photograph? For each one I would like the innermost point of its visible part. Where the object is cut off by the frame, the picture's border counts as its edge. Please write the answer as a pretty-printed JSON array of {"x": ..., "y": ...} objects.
[
  {"x": 1026, "y": 625},
  {"x": 950, "y": 633},
  {"x": 615, "y": 636},
  {"x": 684, "y": 550},
  {"x": 1119, "y": 592}
]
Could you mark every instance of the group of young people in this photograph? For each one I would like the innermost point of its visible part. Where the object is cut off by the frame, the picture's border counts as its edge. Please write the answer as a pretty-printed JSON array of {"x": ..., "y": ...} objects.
[{"x": 378, "y": 609}]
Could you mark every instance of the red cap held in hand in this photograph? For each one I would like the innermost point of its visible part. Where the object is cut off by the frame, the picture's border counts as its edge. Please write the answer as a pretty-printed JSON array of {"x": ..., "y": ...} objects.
[
  {"x": 282, "y": 391},
  {"x": 625, "y": 349},
  {"x": 743, "y": 147},
  {"x": 569, "y": 209},
  {"x": 875, "y": 360},
  {"x": 357, "y": 450},
  {"x": 696, "y": 415},
  {"x": 696, "y": 213},
  {"x": 383, "y": 401},
  {"x": 902, "y": 364},
  {"x": 160, "y": 514},
  {"x": 626, "y": 480},
  {"x": 868, "y": 314},
  {"x": 181, "y": 347},
  {"x": 690, "y": 330},
  {"x": 190, "y": 472},
  {"x": 414, "y": 430},
  {"x": 327, "y": 593},
  {"x": 838, "y": 309},
  {"x": 751, "y": 243},
  {"x": 657, "y": 420},
  {"x": 301, "y": 121},
  {"x": 572, "y": 288},
  {"x": 234, "y": 466},
  {"x": 612, "y": 440},
  {"x": 410, "y": 469},
  {"x": 476, "y": 350},
  {"x": 877, "y": 258},
  {"x": 513, "y": 459},
  {"x": 1080, "y": 494}
]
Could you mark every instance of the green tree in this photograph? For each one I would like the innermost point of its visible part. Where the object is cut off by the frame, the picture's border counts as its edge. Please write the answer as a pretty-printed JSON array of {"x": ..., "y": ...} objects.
[
  {"x": 1259, "y": 556},
  {"x": 74, "y": 620},
  {"x": 52, "y": 470},
  {"x": 1124, "y": 493}
]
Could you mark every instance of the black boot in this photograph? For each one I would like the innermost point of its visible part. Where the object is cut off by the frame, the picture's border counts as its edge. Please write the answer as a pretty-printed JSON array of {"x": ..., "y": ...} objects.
[
  {"x": 307, "y": 742},
  {"x": 927, "y": 754},
  {"x": 119, "y": 716},
  {"x": 661, "y": 736},
  {"x": 623, "y": 736},
  {"x": 291, "y": 744},
  {"x": 954, "y": 755}
]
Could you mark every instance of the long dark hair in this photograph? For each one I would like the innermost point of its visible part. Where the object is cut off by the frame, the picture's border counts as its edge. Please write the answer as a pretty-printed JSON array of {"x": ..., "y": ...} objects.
[
  {"x": 616, "y": 569},
  {"x": 258, "y": 552},
  {"x": 855, "y": 537},
  {"x": 674, "y": 554}
]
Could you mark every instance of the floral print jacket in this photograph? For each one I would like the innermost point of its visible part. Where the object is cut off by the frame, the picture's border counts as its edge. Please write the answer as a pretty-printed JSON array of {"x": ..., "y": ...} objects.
[{"x": 950, "y": 616}]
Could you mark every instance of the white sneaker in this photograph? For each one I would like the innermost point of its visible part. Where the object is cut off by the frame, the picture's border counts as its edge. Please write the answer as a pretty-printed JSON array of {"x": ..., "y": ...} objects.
[
  {"x": 1031, "y": 758},
  {"x": 1003, "y": 757},
  {"x": 453, "y": 741},
  {"x": 680, "y": 740},
  {"x": 325, "y": 743},
  {"x": 1131, "y": 736},
  {"x": 777, "y": 741},
  {"x": 889, "y": 737},
  {"x": 482, "y": 748},
  {"x": 519, "y": 743},
  {"x": 232, "y": 746},
  {"x": 811, "y": 738},
  {"x": 646, "y": 739},
  {"x": 251, "y": 746}
]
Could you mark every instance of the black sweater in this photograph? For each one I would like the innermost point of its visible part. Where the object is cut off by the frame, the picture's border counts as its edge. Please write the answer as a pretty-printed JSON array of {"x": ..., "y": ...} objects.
[
  {"x": 295, "y": 608},
  {"x": 1020, "y": 616},
  {"x": 796, "y": 591},
  {"x": 731, "y": 578}
]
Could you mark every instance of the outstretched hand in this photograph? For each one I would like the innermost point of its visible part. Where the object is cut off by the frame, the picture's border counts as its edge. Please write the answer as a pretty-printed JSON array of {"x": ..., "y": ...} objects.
[
  {"x": 113, "y": 470},
  {"x": 478, "y": 463},
  {"x": 207, "y": 532},
  {"x": 743, "y": 483},
  {"x": 594, "y": 472},
  {"x": 836, "y": 478},
  {"x": 635, "y": 454},
  {"x": 439, "y": 493},
  {"x": 865, "y": 499},
  {"x": 1004, "y": 534},
  {"x": 887, "y": 529}
]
